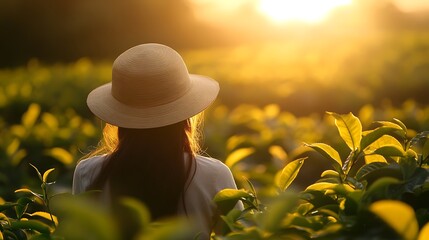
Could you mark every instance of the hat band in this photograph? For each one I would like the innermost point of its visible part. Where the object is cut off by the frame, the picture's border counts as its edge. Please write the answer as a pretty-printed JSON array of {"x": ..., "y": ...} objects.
[{"x": 146, "y": 98}]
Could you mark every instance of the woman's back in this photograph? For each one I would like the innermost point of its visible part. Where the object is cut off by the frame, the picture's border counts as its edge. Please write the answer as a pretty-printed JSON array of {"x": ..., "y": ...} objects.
[{"x": 209, "y": 177}]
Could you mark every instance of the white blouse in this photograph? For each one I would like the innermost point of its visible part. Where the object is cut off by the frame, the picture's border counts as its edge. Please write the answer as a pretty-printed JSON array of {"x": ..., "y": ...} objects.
[{"x": 211, "y": 176}]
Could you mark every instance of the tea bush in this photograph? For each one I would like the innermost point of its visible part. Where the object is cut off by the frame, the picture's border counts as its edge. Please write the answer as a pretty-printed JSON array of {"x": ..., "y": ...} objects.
[
  {"x": 378, "y": 190},
  {"x": 363, "y": 175}
]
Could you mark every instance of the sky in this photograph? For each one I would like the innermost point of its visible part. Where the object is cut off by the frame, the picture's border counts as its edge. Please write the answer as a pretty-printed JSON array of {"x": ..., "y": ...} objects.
[{"x": 227, "y": 11}]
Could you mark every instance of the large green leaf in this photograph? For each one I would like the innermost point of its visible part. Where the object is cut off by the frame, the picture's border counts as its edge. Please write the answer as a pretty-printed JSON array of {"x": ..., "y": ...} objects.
[
  {"x": 371, "y": 136},
  {"x": 279, "y": 207},
  {"x": 46, "y": 216},
  {"x": 31, "y": 225},
  {"x": 226, "y": 199},
  {"x": 424, "y": 232},
  {"x": 384, "y": 142},
  {"x": 342, "y": 189},
  {"x": 368, "y": 168},
  {"x": 398, "y": 126},
  {"x": 288, "y": 174},
  {"x": 401, "y": 124},
  {"x": 231, "y": 218},
  {"x": 141, "y": 214},
  {"x": 399, "y": 216},
  {"x": 327, "y": 151},
  {"x": 81, "y": 218},
  {"x": 350, "y": 129},
  {"x": 169, "y": 229},
  {"x": 373, "y": 158},
  {"x": 390, "y": 151}
]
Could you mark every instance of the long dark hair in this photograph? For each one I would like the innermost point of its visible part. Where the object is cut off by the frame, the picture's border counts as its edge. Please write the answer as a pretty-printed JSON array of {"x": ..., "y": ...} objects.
[{"x": 149, "y": 164}]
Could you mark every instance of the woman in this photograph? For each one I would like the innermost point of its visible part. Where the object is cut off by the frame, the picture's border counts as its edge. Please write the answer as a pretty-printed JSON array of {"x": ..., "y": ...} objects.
[{"x": 150, "y": 139}]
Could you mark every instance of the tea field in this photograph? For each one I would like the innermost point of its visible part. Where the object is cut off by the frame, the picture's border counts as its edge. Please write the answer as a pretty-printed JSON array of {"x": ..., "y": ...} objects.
[{"x": 309, "y": 163}]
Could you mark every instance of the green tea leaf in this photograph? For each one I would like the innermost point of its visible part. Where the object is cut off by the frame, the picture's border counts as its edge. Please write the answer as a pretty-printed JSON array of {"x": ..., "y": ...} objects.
[
  {"x": 288, "y": 174},
  {"x": 384, "y": 141},
  {"x": 30, "y": 117},
  {"x": 373, "y": 158},
  {"x": 317, "y": 198},
  {"x": 235, "y": 141},
  {"x": 142, "y": 214},
  {"x": 330, "y": 173},
  {"x": 46, "y": 174},
  {"x": 226, "y": 199},
  {"x": 368, "y": 137},
  {"x": 368, "y": 168},
  {"x": 231, "y": 218},
  {"x": 13, "y": 147},
  {"x": 25, "y": 190},
  {"x": 22, "y": 206},
  {"x": 327, "y": 151},
  {"x": 323, "y": 186},
  {"x": 350, "y": 129},
  {"x": 424, "y": 232},
  {"x": 31, "y": 225},
  {"x": 422, "y": 136},
  {"x": 401, "y": 124},
  {"x": 399, "y": 216},
  {"x": 278, "y": 152},
  {"x": 238, "y": 155},
  {"x": 392, "y": 125},
  {"x": 7, "y": 205},
  {"x": 279, "y": 207},
  {"x": 390, "y": 151},
  {"x": 61, "y": 155},
  {"x": 3, "y": 217},
  {"x": 328, "y": 229},
  {"x": 46, "y": 216},
  {"x": 38, "y": 173}
]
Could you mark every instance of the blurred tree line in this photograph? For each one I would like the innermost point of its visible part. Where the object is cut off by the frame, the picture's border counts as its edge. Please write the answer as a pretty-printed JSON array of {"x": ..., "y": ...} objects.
[{"x": 67, "y": 30}]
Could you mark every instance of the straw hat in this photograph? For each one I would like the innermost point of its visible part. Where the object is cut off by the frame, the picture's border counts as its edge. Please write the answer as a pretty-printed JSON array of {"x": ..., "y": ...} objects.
[{"x": 150, "y": 88}]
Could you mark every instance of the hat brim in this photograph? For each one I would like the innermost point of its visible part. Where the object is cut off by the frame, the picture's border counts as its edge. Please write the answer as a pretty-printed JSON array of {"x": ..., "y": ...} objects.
[{"x": 202, "y": 93}]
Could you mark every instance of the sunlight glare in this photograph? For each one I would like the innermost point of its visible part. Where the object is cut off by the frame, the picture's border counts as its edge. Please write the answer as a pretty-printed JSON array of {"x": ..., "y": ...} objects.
[{"x": 302, "y": 10}]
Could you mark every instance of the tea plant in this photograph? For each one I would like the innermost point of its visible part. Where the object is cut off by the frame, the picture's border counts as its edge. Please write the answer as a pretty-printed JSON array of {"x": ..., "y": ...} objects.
[
  {"x": 20, "y": 220},
  {"x": 378, "y": 190}
]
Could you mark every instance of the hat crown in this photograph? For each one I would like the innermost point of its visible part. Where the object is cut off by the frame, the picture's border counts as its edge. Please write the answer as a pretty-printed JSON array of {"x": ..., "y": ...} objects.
[{"x": 149, "y": 75}]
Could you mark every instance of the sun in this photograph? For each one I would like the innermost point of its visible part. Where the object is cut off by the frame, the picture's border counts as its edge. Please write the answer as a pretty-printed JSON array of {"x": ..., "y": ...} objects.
[{"x": 299, "y": 10}]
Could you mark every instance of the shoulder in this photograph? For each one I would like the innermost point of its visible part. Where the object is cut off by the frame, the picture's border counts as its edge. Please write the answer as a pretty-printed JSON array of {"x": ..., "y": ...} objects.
[
  {"x": 211, "y": 164},
  {"x": 85, "y": 172},
  {"x": 89, "y": 166},
  {"x": 215, "y": 171}
]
